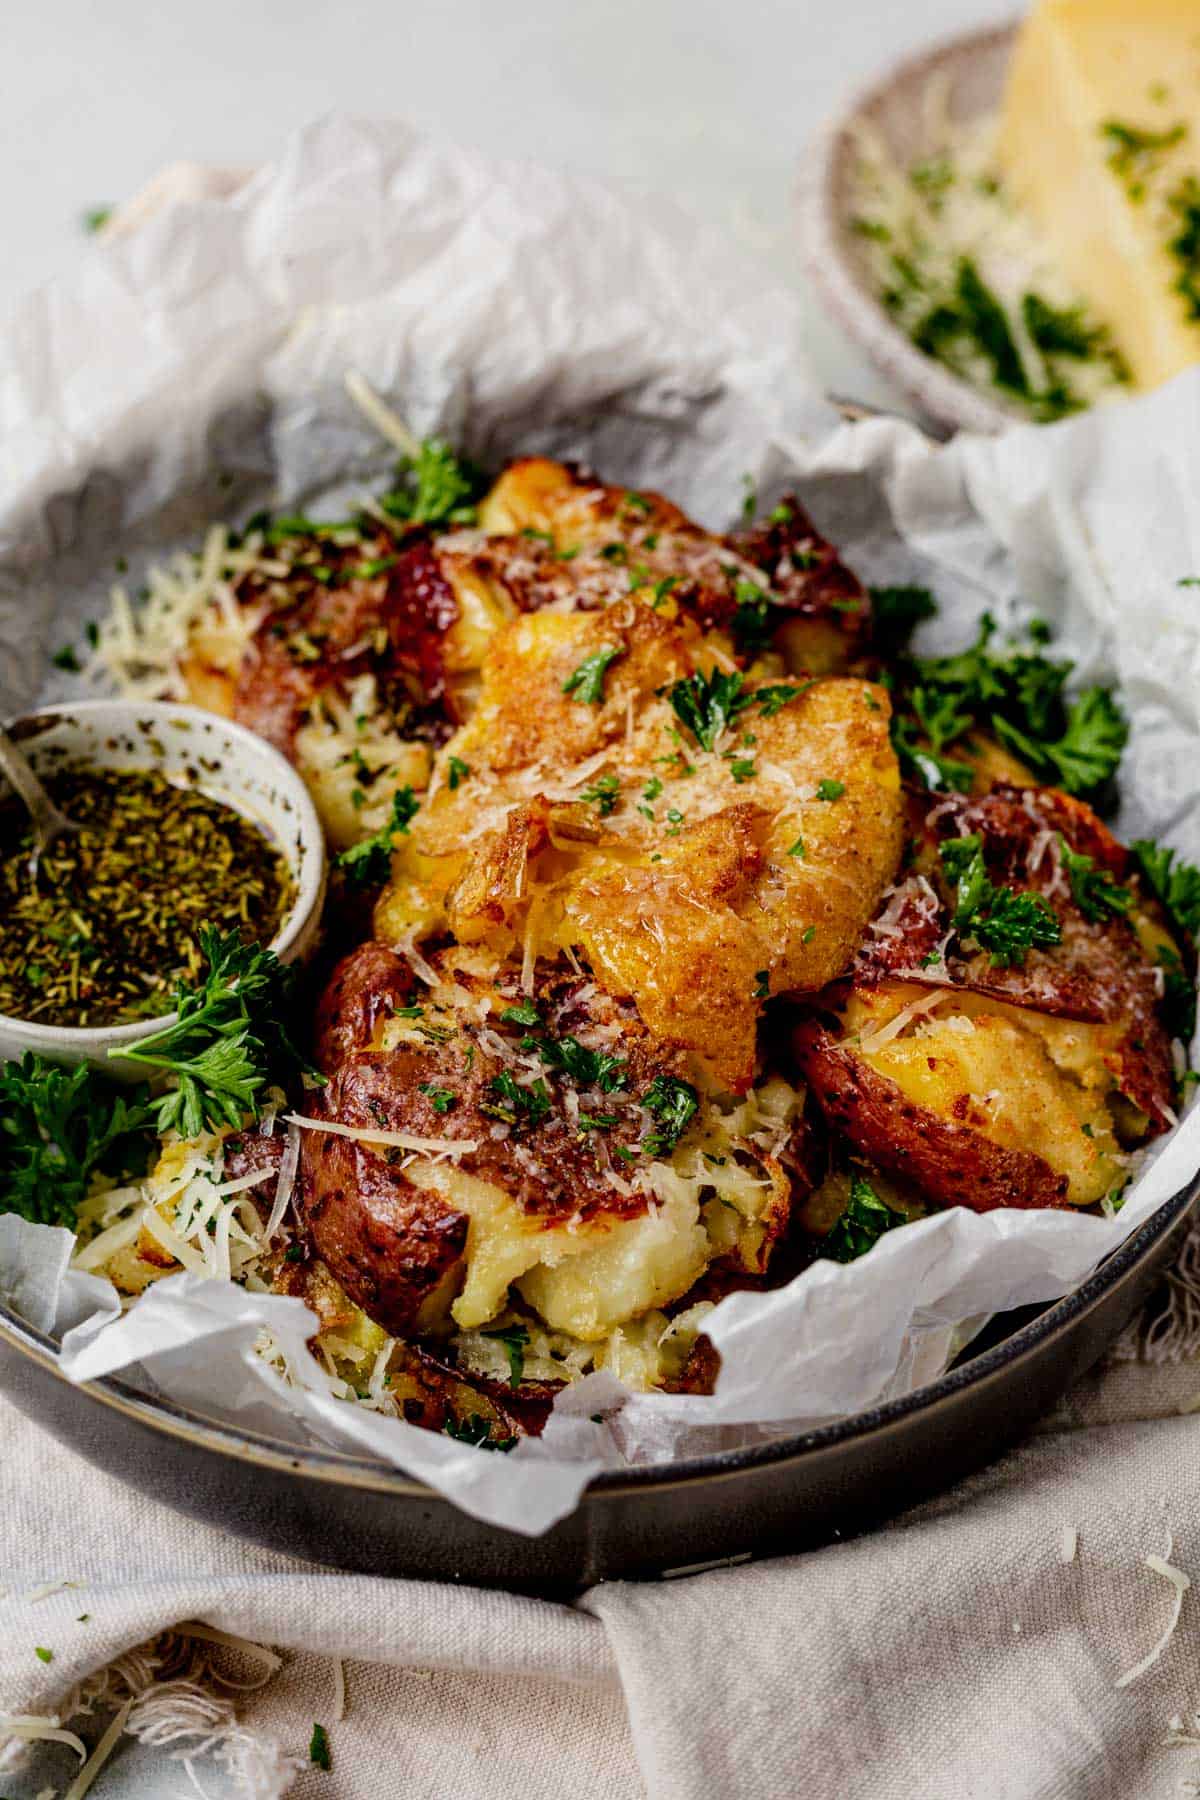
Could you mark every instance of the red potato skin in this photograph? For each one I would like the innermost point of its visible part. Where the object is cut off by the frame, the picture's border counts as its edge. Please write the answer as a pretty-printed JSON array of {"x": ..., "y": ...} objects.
[
  {"x": 365, "y": 987},
  {"x": 951, "y": 1163},
  {"x": 392, "y": 1246}
]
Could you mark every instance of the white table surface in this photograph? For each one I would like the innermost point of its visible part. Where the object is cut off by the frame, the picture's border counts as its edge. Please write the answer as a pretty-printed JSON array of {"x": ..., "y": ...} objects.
[{"x": 710, "y": 100}]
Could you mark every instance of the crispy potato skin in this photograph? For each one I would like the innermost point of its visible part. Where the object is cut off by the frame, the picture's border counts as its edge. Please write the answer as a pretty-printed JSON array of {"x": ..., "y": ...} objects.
[
  {"x": 365, "y": 987},
  {"x": 952, "y": 1163},
  {"x": 1101, "y": 973},
  {"x": 396, "y": 1250}
]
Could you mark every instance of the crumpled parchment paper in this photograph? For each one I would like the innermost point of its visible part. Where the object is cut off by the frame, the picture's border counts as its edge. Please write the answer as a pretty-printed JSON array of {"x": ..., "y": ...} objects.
[{"x": 194, "y": 370}]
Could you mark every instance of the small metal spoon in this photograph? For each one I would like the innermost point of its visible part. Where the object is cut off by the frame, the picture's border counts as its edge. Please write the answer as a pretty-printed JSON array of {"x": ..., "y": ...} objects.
[{"x": 49, "y": 822}]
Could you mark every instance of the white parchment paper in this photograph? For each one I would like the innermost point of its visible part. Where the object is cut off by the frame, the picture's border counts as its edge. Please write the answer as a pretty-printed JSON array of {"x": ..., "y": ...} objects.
[{"x": 194, "y": 371}]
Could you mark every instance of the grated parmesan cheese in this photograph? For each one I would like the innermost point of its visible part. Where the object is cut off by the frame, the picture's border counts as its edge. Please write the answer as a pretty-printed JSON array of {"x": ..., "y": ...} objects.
[{"x": 1159, "y": 1565}]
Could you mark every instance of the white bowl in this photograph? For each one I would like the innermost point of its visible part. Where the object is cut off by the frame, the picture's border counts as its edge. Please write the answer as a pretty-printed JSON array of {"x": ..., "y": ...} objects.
[
  {"x": 217, "y": 757},
  {"x": 972, "y": 71}
]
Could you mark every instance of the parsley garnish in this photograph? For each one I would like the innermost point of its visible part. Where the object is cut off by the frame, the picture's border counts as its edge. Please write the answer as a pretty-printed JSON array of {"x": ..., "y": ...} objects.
[
  {"x": 1000, "y": 920},
  {"x": 602, "y": 794},
  {"x": 863, "y": 1223},
  {"x": 762, "y": 984},
  {"x": 708, "y": 704},
  {"x": 516, "y": 1104},
  {"x": 588, "y": 1068},
  {"x": 67, "y": 659},
  {"x": 830, "y": 790},
  {"x": 476, "y": 1430},
  {"x": 444, "y": 1099},
  {"x": 370, "y": 862},
  {"x": 524, "y": 1014},
  {"x": 1095, "y": 893},
  {"x": 1175, "y": 882},
  {"x": 515, "y": 1339},
  {"x": 42, "y": 1654},
  {"x": 742, "y": 769},
  {"x": 229, "y": 1041},
  {"x": 773, "y": 699},
  {"x": 752, "y": 617},
  {"x": 434, "y": 487},
  {"x": 318, "y": 1748},
  {"x": 587, "y": 683},
  {"x": 895, "y": 614},
  {"x": 457, "y": 770},
  {"x": 674, "y": 1104},
  {"x": 797, "y": 849},
  {"x": 58, "y": 1128}
]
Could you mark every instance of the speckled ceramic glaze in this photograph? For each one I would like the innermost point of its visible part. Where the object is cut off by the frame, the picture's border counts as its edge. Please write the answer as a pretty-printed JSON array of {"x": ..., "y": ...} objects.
[
  {"x": 970, "y": 72},
  {"x": 221, "y": 759}
]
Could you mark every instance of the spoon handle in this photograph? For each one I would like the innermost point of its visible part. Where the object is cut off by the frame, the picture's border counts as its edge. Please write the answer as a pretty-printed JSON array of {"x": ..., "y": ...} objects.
[{"x": 48, "y": 821}]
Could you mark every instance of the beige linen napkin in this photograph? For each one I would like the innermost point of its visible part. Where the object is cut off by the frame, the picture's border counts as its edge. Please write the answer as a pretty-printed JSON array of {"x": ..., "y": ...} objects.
[{"x": 954, "y": 1655}]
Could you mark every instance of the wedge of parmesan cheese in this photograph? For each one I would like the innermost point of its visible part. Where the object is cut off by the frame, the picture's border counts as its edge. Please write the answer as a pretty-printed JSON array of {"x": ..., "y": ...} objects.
[{"x": 1100, "y": 141}]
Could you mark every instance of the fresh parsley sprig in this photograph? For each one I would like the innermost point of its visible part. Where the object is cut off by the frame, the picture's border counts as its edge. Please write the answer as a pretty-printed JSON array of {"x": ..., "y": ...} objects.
[
  {"x": 434, "y": 487},
  {"x": 1175, "y": 883},
  {"x": 59, "y": 1128},
  {"x": 1095, "y": 892},
  {"x": 230, "y": 1041},
  {"x": 674, "y": 1103}
]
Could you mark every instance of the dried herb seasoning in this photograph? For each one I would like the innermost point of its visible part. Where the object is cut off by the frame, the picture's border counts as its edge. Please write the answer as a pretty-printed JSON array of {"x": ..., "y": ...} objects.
[{"x": 109, "y": 924}]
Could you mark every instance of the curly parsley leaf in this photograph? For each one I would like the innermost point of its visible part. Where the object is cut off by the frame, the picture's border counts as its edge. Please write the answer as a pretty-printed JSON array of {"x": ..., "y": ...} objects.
[
  {"x": 1000, "y": 920},
  {"x": 773, "y": 699},
  {"x": 861, "y": 1225},
  {"x": 1175, "y": 882},
  {"x": 895, "y": 614},
  {"x": 674, "y": 1103},
  {"x": 61, "y": 1127},
  {"x": 1089, "y": 750},
  {"x": 434, "y": 487},
  {"x": 369, "y": 863},
  {"x": 231, "y": 1038},
  {"x": 1094, "y": 889},
  {"x": 587, "y": 682},
  {"x": 318, "y": 1748},
  {"x": 515, "y": 1104},
  {"x": 708, "y": 704},
  {"x": 587, "y": 1068}
]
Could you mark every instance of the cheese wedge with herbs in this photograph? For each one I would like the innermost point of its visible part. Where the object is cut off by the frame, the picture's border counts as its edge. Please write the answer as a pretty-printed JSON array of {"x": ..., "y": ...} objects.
[{"x": 1100, "y": 140}]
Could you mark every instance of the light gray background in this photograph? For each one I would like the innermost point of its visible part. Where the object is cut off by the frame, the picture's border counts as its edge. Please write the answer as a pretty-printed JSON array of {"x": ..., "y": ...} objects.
[{"x": 710, "y": 100}]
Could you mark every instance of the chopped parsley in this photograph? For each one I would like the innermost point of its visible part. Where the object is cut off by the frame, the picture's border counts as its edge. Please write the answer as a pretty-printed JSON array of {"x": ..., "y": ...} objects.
[
  {"x": 773, "y": 699},
  {"x": 457, "y": 771},
  {"x": 762, "y": 984},
  {"x": 587, "y": 1068},
  {"x": 752, "y": 617},
  {"x": 515, "y": 1339},
  {"x": 477, "y": 1431},
  {"x": 708, "y": 704},
  {"x": 96, "y": 218},
  {"x": 674, "y": 1103},
  {"x": 318, "y": 1748},
  {"x": 742, "y": 769},
  {"x": 830, "y": 790},
  {"x": 1184, "y": 246},
  {"x": 514, "y": 1104},
  {"x": 524, "y": 1014},
  {"x": 652, "y": 789},
  {"x": 1095, "y": 892},
  {"x": 797, "y": 849},
  {"x": 368, "y": 863},
  {"x": 587, "y": 682},
  {"x": 602, "y": 794},
  {"x": 1174, "y": 882},
  {"x": 443, "y": 1099},
  {"x": 895, "y": 614},
  {"x": 1135, "y": 154},
  {"x": 862, "y": 1224},
  {"x": 1000, "y": 920},
  {"x": 67, "y": 658},
  {"x": 42, "y": 1654}
]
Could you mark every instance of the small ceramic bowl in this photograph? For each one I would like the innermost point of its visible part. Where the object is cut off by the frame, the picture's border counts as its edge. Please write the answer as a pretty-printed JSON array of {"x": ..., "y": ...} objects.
[
  {"x": 971, "y": 72},
  {"x": 212, "y": 754}
]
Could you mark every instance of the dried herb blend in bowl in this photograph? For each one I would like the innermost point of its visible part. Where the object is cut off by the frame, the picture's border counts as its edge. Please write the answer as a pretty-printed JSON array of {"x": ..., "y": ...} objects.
[{"x": 107, "y": 926}]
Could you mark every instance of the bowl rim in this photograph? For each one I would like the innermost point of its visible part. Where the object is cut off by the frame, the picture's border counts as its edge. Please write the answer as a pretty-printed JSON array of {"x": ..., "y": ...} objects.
[
  {"x": 308, "y": 869},
  {"x": 944, "y": 398},
  {"x": 246, "y": 1445}
]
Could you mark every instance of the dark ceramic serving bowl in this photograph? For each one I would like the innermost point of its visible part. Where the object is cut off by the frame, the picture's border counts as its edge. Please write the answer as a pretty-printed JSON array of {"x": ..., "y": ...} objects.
[{"x": 358, "y": 1514}]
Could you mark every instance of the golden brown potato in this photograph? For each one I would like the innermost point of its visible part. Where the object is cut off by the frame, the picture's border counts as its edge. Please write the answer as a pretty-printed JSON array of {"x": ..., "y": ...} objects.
[{"x": 696, "y": 876}]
